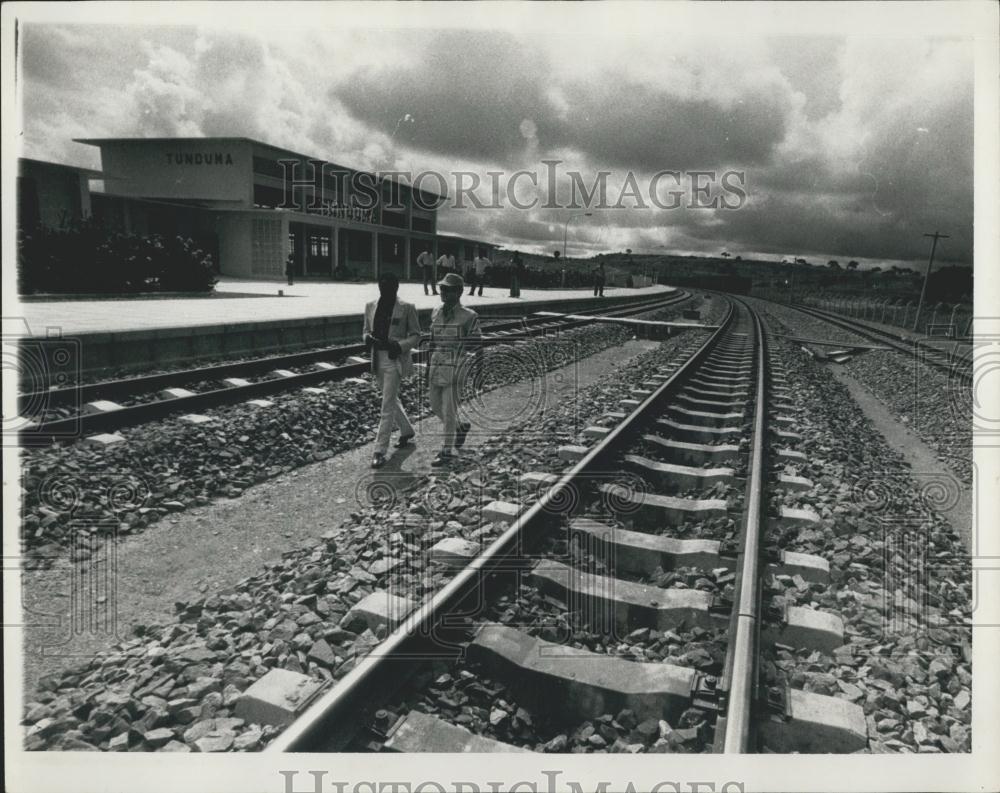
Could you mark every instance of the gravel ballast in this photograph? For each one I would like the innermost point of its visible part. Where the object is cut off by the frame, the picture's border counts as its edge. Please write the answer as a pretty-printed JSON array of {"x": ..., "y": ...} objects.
[
  {"x": 75, "y": 493},
  {"x": 290, "y": 614},
  {"x": 926, "y": 399}
]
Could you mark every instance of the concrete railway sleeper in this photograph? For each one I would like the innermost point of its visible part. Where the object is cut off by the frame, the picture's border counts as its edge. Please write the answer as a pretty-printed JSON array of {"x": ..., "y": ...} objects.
[{"x": 627, "y": 608}]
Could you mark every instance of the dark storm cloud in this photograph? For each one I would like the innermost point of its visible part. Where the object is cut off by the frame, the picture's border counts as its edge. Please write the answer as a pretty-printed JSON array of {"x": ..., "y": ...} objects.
[
  {"x": 634, "y": 125},
  {"x": 468, "y": 90}
]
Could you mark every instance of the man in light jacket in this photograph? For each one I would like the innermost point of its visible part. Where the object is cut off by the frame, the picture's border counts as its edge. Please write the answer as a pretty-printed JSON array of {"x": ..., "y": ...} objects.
[
  {"x": 455, "y": 333},
  {"x": 392, "y": 330}
]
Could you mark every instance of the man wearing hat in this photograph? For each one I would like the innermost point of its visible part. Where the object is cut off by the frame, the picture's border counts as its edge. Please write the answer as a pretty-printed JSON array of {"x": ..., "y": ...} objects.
[
  {"x": 454, "y": 329},
  {"x": 392, "y": 330}
]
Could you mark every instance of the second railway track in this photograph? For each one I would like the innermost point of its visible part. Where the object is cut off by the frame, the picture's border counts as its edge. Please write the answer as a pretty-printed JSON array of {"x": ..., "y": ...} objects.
[
  {"x": 82, "y": 410},
  {"x": 633, "y": 599},
  {"x": 957, "y": 363}
]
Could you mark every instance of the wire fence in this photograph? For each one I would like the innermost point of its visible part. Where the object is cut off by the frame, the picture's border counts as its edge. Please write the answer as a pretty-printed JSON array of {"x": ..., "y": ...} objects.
[{"x": 953, "y": 320}]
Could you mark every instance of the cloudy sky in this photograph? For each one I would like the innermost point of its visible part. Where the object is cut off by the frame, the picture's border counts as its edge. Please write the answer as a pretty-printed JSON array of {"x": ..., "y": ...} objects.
[{"x": 852, "y": 147}]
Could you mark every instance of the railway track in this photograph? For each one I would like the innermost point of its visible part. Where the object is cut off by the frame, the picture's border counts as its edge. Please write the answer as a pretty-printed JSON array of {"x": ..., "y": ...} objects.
[
  {"x": 635, "y": 595},
  {"x": 90, "y": 409},
  {"x": 957, "y": 363}
]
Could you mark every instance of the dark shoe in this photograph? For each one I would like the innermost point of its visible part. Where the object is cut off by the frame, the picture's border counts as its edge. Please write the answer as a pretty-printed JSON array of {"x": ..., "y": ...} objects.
[
  {"x": 442, "y": 459},
  {"x": 460, "y": 433},
  {"x": 378, "y": 460},
  {"x": 404, "y": 440}
]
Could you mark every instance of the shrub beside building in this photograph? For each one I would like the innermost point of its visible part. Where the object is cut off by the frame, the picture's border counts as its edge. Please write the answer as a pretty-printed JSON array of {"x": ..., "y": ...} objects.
[{"x": 86, "y": 258}]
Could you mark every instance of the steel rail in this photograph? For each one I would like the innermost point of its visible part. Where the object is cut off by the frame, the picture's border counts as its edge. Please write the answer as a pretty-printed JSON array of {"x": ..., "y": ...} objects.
[
  {"x": 322, "y": 725},
  {"x": 742, "y": 669},
  {"x": 130, "y": 415}
]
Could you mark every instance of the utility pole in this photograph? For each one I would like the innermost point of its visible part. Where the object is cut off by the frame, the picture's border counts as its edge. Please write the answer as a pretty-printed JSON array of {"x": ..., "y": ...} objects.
[{"x": 930, "y": 263}]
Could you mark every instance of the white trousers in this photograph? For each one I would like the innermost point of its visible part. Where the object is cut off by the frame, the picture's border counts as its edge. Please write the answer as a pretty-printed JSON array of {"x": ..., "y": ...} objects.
[
  {"x": 444, "y": 405},
  {"x": 392, "y": 408}
]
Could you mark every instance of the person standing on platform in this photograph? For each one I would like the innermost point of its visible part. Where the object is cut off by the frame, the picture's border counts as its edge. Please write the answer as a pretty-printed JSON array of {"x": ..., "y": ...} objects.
[
  {"x": 392, "y": 330},
  {"x": 426, "y": 262},
  {"x": 517, "y": 270},
  {"x": 479, "y": 267},
  {"x": 454, "y": 328},
  {"x": 599, "y": 277},
  {"x": 442, "y": 265}
]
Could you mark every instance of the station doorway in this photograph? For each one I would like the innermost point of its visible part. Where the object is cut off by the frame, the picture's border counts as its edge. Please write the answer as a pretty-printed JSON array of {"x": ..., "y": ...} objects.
[
  {"x": 392, "y": 255},
  {"x": 354, "y": 256},
  {"x": 312, "y": 250}
]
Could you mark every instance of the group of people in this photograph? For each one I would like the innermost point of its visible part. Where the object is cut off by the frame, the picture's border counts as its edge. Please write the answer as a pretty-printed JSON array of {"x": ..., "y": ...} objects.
[
  {"x": 474, "y": 272},
  {"x": 391, "y": 331}
]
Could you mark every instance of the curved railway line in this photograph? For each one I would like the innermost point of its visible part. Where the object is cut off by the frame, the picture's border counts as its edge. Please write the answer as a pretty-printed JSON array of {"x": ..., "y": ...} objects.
[
  {"x": 85, "y": 410},
  {"x": 684, "y": 485},
  {"x": 957, "y": 363}
]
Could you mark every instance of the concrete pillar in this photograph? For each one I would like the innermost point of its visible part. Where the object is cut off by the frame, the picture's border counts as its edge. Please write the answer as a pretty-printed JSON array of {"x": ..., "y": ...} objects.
[
  {"x": 406, "y": 255},
  {"x": 375, "y": 260},
  {"x": 334, "y": 249},
  {"x": 84, "y": 196}
]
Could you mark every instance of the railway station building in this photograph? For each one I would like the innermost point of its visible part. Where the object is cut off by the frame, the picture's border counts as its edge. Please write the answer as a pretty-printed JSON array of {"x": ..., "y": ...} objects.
[{"x": 255, "y": 215}]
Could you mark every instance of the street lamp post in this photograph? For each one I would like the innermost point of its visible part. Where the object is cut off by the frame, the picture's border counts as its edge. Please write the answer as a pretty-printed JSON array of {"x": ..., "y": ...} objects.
[{"x": 566, "y": 228}]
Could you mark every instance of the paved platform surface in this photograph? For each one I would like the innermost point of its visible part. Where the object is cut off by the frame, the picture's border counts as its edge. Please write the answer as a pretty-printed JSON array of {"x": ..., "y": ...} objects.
[{"x": 301, "y": 301}]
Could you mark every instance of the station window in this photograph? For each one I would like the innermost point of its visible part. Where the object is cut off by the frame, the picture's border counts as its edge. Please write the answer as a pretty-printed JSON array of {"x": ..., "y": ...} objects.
[{"x": 423, "y": 224}]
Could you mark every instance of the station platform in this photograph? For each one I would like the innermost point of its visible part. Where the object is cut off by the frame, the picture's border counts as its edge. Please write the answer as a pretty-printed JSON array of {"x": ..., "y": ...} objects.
[
  {"x": 249, "y": 318},
  {"x": 240, "y": 301}
]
